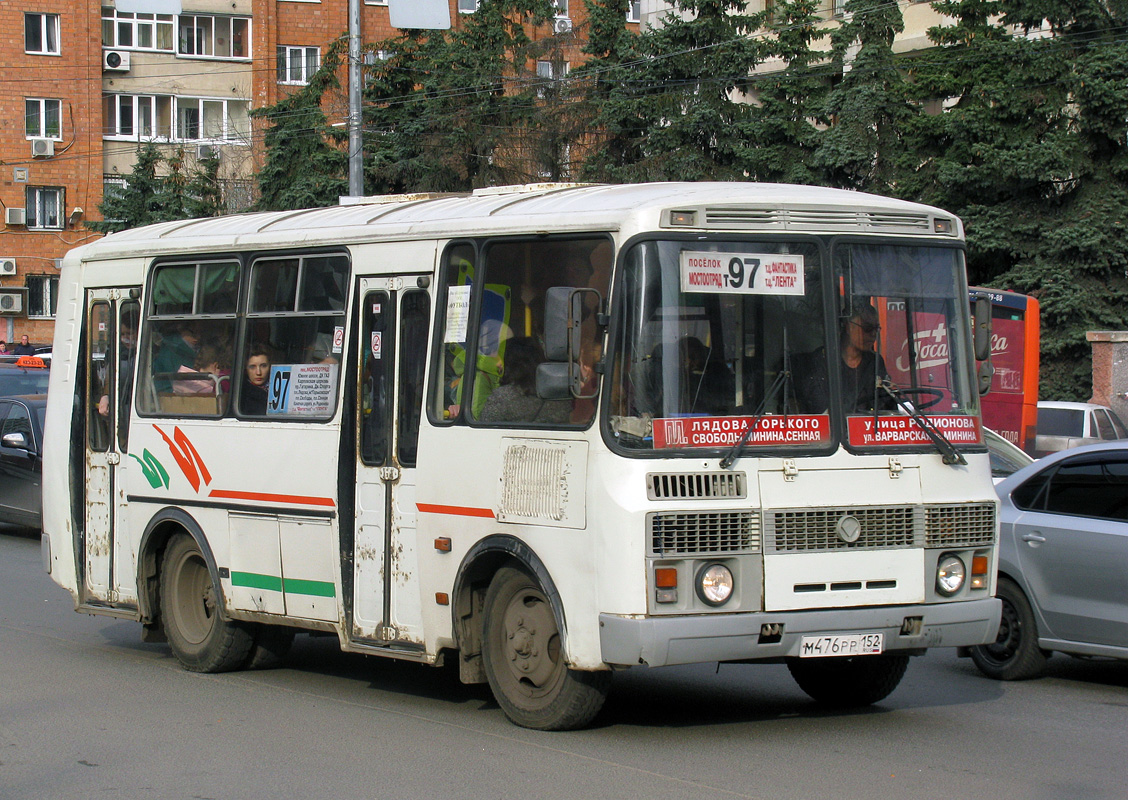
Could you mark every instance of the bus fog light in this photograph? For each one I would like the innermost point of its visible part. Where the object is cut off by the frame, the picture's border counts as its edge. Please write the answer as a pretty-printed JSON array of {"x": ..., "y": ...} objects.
[
  {"x": 715, "y": 584},
  {"x": 950, "y": 575}
]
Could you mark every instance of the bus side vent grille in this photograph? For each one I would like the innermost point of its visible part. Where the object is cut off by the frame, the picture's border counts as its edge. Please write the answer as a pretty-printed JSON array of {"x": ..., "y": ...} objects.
[
  {"x": 533, "y": 482},
  {"x": 704, "y": 533},
  {"x": 823, "y": 529},
  {"x": 966, "y": 525},
  {"x": 695, "y": 485}
]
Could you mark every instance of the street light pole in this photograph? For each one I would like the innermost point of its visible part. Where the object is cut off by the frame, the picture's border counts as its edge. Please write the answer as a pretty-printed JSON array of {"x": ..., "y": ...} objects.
[{"x": 356, "y": 133}]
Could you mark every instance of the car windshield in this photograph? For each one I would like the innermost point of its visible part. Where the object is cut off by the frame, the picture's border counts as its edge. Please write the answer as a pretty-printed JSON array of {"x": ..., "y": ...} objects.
[
  {"x": 1061, "y": 422},
  {"x": 18, "y": 380}
]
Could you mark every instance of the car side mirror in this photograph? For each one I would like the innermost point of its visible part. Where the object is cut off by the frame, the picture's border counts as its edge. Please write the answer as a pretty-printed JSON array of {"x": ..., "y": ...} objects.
[{"x": 15, "y": 440}]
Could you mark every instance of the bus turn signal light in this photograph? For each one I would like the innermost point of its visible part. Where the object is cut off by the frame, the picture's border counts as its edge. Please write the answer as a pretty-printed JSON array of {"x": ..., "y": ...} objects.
[{"x": 979, "y": 576}]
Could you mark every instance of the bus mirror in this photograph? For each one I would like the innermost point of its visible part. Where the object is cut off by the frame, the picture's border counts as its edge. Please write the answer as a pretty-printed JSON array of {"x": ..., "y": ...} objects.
[
  {"x": 982, "y": 322},
  {"x": 562, "y": 309},
  {"x": 554, "y": 381},
  {"x": 983, "y": 375}
]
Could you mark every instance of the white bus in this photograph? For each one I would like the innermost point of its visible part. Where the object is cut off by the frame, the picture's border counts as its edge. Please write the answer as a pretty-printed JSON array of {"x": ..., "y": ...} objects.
[{"x": 270, "y": 423}]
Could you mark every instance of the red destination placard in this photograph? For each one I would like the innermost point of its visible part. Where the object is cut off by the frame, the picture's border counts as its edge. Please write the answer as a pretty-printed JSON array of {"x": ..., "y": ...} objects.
[{"x": 771, "y": 429}]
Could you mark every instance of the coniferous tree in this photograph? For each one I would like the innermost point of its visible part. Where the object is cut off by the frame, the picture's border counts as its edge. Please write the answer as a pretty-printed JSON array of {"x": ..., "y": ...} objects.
[
  {"x": 138, "y": 201},
  {"x": 455, "y": 110},
  {"x": 203, "y": 194},
  {"x": 1031, "y": 153},
  {"x": 305, "y": 165}
]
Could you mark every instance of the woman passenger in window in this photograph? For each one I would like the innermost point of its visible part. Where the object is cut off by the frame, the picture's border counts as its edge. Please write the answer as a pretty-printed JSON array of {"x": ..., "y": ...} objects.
[
  {"x": 256, "y": 373},
  {"x": 515, "y": 399}
]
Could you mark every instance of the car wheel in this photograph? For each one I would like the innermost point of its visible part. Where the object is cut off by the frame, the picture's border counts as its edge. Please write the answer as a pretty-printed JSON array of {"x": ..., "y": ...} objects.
[{"x": 1014, "y": 655}]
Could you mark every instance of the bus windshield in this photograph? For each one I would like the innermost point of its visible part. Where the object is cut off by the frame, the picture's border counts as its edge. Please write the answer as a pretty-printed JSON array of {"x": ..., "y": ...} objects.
[{"x": 716, "y": 337}]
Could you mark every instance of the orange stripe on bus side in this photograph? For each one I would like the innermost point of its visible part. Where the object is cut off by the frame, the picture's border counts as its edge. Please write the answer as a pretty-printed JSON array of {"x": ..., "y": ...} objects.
[
  {"x": 458, "y": 511},
  {"x": 263, "y": 497}
]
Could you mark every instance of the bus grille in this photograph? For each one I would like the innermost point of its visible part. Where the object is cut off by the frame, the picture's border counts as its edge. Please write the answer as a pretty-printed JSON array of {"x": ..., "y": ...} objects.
[
  {"x": 806, "y": 530},
  {"x": 695, "y": 485},
  {"x": 708, "y": 533},
  {"x": 967, "y": 525}
]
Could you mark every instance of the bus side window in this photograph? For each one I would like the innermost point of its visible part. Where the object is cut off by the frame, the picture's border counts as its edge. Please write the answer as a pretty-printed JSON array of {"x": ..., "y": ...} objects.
[
  {"x": 188, "y": 342},
  {"x": 289, "y": 362},
  {"x": 456, "y": 292}
]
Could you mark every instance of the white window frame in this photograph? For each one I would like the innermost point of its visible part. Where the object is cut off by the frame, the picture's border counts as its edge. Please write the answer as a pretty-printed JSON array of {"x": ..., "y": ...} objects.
[
  {"x": 48, "y": 27},
  {"x": 43, "y": 104},
  {"x": 375, "y": 2},
  {"x": 286, "y": 63},
  {"x": 546, "y": 72},
  {"x": 43, "y": 299},
  {"x": 467, "y": 6},
  {"x": 115, "y": 22},
  {"x": 205, "y": 34},
  {"x": 36, "y": 209},
  {"x": 634, "y": 11},
  {"x": 142, "y": 110},
  {"x": 229, "y": 135},
  {"x": 561, "y": 8}
]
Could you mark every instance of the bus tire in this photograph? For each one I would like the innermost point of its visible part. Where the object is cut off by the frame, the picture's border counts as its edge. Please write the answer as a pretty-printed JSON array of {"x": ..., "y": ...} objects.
[
  {"x": 849, "y": 682},
  {"x": 272, "y": 645},
  {"x": 523, "y": 657},
  {"x": 199, "y": 637},
  {"x": 1014, "y": 655}
]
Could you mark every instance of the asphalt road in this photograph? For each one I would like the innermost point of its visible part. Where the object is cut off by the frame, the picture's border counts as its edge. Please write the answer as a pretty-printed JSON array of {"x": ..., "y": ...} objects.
[{"x": 89, "y": 711}]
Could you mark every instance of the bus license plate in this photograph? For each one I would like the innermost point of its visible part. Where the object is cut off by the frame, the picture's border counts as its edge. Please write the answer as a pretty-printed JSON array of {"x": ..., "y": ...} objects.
[{"x": 857, "y": 644}]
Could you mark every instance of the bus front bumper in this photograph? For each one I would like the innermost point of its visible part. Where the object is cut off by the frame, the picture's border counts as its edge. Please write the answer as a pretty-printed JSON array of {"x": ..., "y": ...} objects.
[{"x": 662, "y": 641}]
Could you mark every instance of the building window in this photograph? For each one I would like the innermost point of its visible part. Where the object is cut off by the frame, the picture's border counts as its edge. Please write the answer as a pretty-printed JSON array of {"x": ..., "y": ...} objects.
[
  {"x": 839, "y": 7},
  {"x": 41, "y": 118},
  {"x": 44, "y": 208},
  {"x": 467, "y": 6},
  {"x": 41, "y": 34},
  {"x": 136, "y": 117},
  {"x": 634, "y": 11},
  {"x": 297, "y": 64},
  {"x": 561, "y": 7},
  {"x": 200, "y": 119},
  {"x": 376, "y": 2},
  {"x": 137, "y": 31},
  {"x": 215, "y": 37},
  {"x": 42, "y": 295},
  {"x": 549, "y": 73}
]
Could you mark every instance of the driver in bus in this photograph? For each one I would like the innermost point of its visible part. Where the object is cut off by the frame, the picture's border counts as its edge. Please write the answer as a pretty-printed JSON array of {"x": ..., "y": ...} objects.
[{"x": 861, "y": 368}]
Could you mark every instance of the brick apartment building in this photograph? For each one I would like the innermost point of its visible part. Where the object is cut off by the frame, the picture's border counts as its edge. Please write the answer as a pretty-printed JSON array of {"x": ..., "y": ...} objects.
[{"x": 87, "y": 83}]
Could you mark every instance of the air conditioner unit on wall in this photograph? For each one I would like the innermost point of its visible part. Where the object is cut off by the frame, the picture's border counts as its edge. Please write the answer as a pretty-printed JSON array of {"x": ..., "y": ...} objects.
[
  {"x": 562, "y": 25},
  {"x": 15, "y": 216},
  {"x": 7, "y": 266},
  {"x": 12, "y": 301},
  {"x": 207, "y": 151},
  {"x": 115, "y": 60},
  {"x": 41, "y": 148}
]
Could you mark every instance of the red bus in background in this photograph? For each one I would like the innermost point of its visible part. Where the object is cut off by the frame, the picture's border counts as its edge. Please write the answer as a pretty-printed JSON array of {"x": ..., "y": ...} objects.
[{"x": 1011, "y": 407}]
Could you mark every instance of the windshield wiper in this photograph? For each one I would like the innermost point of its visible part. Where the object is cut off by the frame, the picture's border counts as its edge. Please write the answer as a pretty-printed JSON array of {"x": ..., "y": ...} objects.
[
  {"x": 782, "y": 379},
  {"x": 948, "y": 452}
]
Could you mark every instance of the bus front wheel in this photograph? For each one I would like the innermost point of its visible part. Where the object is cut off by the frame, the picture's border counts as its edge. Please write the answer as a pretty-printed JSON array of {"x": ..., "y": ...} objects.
[
  {"x": 199, "y": 637},
  {"x": 524, "y": 659},
  {"x": 849, "y": 682}
]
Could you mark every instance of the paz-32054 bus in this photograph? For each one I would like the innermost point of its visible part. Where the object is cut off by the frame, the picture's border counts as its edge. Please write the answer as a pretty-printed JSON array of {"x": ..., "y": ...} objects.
[{"x": 548, "y": 431}]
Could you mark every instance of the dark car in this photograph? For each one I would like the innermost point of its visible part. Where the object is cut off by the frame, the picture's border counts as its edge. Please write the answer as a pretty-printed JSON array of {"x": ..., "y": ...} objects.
[
  {"x": 1063, "y": 561},
  {"x": 21, "y": 462},
  {"x": 25, "y": 375}
]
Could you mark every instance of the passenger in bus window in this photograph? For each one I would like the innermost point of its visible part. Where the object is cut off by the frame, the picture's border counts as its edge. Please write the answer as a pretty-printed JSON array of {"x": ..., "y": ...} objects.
[
  {"x": 213, "y": 359},
  {"x": 177, "y": 349},
  {"x": 515, "y": 399},
  {"x": 127, "y": 341},
  {"x": 255, "y": 376}
]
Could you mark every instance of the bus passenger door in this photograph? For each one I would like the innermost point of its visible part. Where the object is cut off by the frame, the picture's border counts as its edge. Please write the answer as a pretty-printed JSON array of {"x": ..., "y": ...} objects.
[
  {"x": 111, "y": 327},
  {"x": 395, "y": 320}
]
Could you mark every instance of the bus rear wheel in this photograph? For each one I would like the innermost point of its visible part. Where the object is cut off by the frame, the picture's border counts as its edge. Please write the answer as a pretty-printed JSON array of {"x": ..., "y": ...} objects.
[
  {"x": 849, "y": 682},
  {"x": 199, "y": 637},
  {"x": 524, "y": 661}
]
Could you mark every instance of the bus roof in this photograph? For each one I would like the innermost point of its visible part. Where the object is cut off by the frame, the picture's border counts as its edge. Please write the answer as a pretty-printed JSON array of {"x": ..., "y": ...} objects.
[{"x": 534, "y": 208}]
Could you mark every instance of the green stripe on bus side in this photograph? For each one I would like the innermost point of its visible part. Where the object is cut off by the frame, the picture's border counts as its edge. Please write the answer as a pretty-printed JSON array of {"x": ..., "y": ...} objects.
[{"x": 254, "y": 580}]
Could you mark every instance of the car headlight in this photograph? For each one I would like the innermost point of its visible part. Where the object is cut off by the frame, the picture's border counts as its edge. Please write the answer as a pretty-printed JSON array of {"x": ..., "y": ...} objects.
[
  {"x": 950, "y": 575},
  {"x": 715, "y": 584}
]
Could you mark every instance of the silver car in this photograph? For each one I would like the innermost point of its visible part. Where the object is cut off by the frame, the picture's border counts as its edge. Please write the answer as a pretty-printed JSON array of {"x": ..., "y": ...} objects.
[
  {"x": 1063, "y": 561},
  {"x": 1063, "y": 425}
]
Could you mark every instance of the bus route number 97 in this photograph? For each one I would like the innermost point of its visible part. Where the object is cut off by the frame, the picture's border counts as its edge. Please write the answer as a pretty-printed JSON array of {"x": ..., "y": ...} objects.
[{"x": 279, "y": 397}]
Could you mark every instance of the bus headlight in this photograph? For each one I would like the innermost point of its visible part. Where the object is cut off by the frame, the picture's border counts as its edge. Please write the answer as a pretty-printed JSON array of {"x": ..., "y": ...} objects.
[
  {"x": 950, "y": 575},
  {"x": 715, "y": 584}
]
